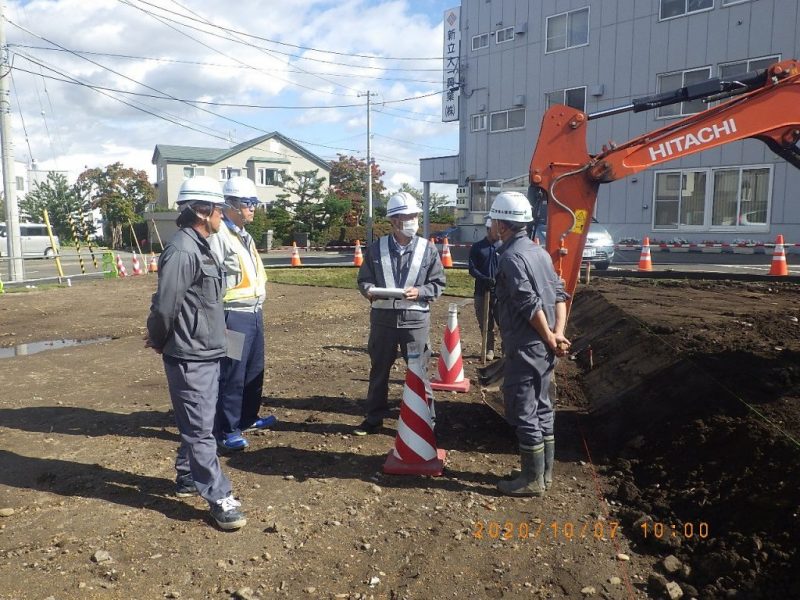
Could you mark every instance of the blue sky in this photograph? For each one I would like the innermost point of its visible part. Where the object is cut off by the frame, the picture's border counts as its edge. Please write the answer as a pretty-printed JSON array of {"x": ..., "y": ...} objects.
[{"x": 106, "y": 80}]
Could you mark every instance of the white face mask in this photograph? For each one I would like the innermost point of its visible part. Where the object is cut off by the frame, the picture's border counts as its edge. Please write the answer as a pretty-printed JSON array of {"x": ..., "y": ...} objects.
[{"x": 411, "y": 227}]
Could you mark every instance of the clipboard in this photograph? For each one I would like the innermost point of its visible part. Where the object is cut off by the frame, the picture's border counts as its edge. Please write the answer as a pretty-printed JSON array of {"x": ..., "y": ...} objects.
[{"x": 379, "y": 292}]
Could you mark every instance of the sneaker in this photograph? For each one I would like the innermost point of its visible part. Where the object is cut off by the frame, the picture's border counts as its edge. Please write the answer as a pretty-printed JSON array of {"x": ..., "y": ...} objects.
[
  {"x": 233, "y": 442},
  {"x": 367, "y": 428},
  {"x": 184, "y": 486},
  {"x": 261, "y": 423},
  {"x": 226, "y": 513}
]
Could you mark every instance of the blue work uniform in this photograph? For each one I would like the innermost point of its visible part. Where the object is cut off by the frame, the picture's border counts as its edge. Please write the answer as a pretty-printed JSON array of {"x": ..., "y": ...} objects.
[
  {"x": 187, "y": 325},
  {"x": 527, "y": 283},
  {"x": 483, "y": 267},
  {"x": 397, "y": 322},
  {"x": 241, "y": 381}
]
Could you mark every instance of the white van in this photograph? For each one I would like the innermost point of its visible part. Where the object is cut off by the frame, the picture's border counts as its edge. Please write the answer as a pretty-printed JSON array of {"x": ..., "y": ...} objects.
[{"x": 34, "y": 240}]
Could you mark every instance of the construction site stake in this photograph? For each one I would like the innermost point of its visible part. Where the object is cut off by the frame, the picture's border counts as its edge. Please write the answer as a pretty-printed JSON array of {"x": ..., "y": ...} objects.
[
  {"x": 53, "y": 244},
  {"x": 77, "y": 243},
  {"x": 135, "y": 239},
  {"x": 85, "y": 235},
  {"x": 158, "y": 235}
]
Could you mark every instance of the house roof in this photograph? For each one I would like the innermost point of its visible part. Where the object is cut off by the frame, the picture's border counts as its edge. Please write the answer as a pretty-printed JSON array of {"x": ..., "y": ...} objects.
[{"x": 195, "y": 154}]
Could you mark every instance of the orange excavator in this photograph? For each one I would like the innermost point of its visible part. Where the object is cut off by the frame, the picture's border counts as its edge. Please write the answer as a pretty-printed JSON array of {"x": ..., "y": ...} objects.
[{"x": 763, "y": 105}]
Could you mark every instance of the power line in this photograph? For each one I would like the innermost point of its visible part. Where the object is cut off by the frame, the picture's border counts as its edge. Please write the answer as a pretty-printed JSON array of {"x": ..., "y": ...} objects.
[
  {"x": 222, "y": 66},
  {"x": 249, "y": 45},
  {"x": 386, "y": 137},
  {"x": 288, "y": 45}
]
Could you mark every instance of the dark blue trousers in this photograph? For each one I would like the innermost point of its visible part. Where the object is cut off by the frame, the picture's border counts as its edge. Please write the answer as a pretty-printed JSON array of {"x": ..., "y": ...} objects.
[{"x": 241, "y": 381}]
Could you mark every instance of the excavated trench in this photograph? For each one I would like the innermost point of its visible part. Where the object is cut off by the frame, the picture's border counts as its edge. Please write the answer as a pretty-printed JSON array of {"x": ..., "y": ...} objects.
[{"x": 699, "y": 423}]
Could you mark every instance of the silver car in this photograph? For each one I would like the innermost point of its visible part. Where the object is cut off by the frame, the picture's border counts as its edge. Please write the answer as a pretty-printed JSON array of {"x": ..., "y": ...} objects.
[
  {"x": 33, "y": 238},
  {"x": 599, "y": 248}
]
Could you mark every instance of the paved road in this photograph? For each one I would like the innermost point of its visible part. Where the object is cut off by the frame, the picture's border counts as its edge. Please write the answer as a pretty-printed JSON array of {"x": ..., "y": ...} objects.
[{"x": 625, "y": 260}]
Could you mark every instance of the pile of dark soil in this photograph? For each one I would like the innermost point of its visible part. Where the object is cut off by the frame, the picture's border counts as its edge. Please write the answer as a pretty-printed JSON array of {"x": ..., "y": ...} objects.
[{"x": 700, "y": 419}]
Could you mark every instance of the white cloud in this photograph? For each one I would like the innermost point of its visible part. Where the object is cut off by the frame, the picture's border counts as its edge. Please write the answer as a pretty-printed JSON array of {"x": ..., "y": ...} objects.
[{"x": 70, "y": 126}]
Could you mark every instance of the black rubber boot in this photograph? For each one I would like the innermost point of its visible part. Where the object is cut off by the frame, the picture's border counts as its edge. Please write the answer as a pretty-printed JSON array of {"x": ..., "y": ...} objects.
[
  {"x": 549, "y": 458},
  {"x": 531, "y": 479}
]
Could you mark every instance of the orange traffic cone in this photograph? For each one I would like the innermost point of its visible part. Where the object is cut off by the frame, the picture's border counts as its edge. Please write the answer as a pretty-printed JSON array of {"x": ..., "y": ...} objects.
[
  {"x": 296, "y": 262},
  {"x": 451, "y": 367},
  {"x": 137, "y": 268},
  {"x": 153, "y": 266},
  {"x": 779, "y": 268},
  {"x": 645, "y": 263},
  {"x": 415, "y": 451},
  {"x": 121, "y": 267},
  {"x": 358, "y": 258},
  {"x": 447, "y": 260}
]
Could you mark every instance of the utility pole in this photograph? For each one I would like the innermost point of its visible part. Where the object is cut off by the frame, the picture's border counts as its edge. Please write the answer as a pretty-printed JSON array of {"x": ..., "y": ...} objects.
[
  {"x": 15, "y": 267},
  {"x": 368, "y": 94}
]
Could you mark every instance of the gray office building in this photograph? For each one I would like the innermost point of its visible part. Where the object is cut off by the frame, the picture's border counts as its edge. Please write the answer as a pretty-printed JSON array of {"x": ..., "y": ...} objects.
[{"x": 510, "y": 60}]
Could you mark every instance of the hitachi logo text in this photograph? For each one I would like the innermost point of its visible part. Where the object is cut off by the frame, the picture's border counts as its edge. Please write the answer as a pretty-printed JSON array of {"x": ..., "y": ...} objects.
[{"x": 684, "y": 142}]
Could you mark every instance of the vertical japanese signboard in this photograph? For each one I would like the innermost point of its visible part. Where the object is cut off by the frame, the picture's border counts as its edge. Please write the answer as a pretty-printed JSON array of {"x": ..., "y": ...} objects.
[{"x": 452, "y": 47}]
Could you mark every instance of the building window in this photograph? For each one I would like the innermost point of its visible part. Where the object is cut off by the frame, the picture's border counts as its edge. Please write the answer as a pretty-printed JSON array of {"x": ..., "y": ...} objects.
[
  {"x": 732, "y": 69},
  {"x": 480, "y": 41},
  {"x": 574, "y": 97},
  {"x": 482, "y": 194},
  {"x": 270, "y": 177},
  {"x": 709, "y": 199},
  {"x": 506, "y": 120},
  {"x": 228, "y": 172},
  {"x": 161, "y": 173},
  {"x": 504, "y": 35},
  {"x": 193, "y": 171},
  {"x": 568, "y": 30},
  {"x": 729, "y": 2},
  {"x": 678, "y": 8},
  {"x": 478, "y": 123},
  {"x": 20, "y": 184},
  {"x": 674, "y": 81}
]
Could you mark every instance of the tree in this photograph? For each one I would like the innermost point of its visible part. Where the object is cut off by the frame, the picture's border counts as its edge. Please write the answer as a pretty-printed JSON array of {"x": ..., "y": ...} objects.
[
  {"x": 314, "y": 211},
  {"x": 121, "y": 194},
  {"x": 349, "y": 182},
  {"x": 60, "y": 200},
  {"x": 438, "y": 208}
]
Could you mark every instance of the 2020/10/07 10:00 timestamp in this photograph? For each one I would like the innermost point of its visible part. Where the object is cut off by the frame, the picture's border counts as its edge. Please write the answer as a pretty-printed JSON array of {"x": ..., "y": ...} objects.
[
  {"x": 674, "y": 530},
  {"x": 555, "y": 530}
]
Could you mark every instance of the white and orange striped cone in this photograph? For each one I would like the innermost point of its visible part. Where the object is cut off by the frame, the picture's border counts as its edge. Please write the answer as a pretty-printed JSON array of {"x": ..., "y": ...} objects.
[
  {"x": 153, "y": 266},
  {"x": 415, "y": 451},
  {"x": 137, "y": 268},
  {"x": 779, "y": 268},
  {"x": 121, "y": 267},
  {"x": 447, "y": 260},
  {"x": 451, "y": 367},
  {"x": 645, "y": 262},
  {"x": 296, "y": 262},
  {"x": 358, "y": 257}
]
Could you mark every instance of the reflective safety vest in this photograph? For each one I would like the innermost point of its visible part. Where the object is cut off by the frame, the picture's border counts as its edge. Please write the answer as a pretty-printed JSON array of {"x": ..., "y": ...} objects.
[
  {"x": 253, "y": 283},
  {"x": 420, "y": 246}
]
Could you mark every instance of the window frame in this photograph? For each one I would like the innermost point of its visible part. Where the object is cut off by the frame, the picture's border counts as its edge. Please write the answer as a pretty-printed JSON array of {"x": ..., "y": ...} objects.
[
  {"x": 564, "y": 96},
  {"x": 483, "y": 117},
  {"x": 747, "y": 62},
  {"x": 732, "y": 2},
  {"x": 683, "y": 73},
  {"x": 507, "y": 113},
  {"x": 708, "y": 201},
  {"x": 686, "y": 12},
  {"x": 195, "y": 171},
  {"x": 480, "y": 35},
  {"x": 278, "y": 178},
  {"x": 510, "y": 38},
  {"x": 567, "y": 14}
]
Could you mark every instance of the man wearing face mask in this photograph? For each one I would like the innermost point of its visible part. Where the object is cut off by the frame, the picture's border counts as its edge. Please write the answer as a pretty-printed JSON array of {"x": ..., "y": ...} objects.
[{"x": 402, "y": 260}]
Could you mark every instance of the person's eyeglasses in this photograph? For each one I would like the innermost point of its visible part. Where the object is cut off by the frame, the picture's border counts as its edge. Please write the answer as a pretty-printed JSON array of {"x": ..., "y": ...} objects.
[{"x": 249, "y": 203}]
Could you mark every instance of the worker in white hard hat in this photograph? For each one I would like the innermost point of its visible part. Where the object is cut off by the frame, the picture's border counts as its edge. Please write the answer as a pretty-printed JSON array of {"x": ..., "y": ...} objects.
[
  {"x": 400, "y": 260},
  {"x": 241, "y": 376},
  {"x": 532, "y": 312},
  {"x": 186, "y": 326},
  {"x": 483, "y": 267}
]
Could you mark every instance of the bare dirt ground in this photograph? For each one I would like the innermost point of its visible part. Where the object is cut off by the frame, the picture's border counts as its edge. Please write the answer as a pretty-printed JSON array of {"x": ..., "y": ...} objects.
[{"x": 695, "y": 416}]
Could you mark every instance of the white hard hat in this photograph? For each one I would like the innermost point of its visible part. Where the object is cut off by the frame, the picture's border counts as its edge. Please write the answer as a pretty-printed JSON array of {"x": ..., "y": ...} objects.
[
  {"x": 488, "y": 222},
  {"x": 511, "y": 206},
  {"x": 201, "y": 189},
  {"x": 240, "y": 187},
  {"x": 401, "y": 203}
]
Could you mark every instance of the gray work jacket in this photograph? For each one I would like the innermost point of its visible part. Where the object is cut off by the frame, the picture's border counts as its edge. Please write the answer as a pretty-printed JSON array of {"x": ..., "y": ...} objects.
[
  {"x": 526, "y": 283},
  {"x": 186, "y": 319},
  {"x": 430, "y": 281}
]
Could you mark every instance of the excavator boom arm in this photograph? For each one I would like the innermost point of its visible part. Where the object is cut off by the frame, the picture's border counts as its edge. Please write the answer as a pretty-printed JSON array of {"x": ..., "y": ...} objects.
[{"x": 567, "y": 177}]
